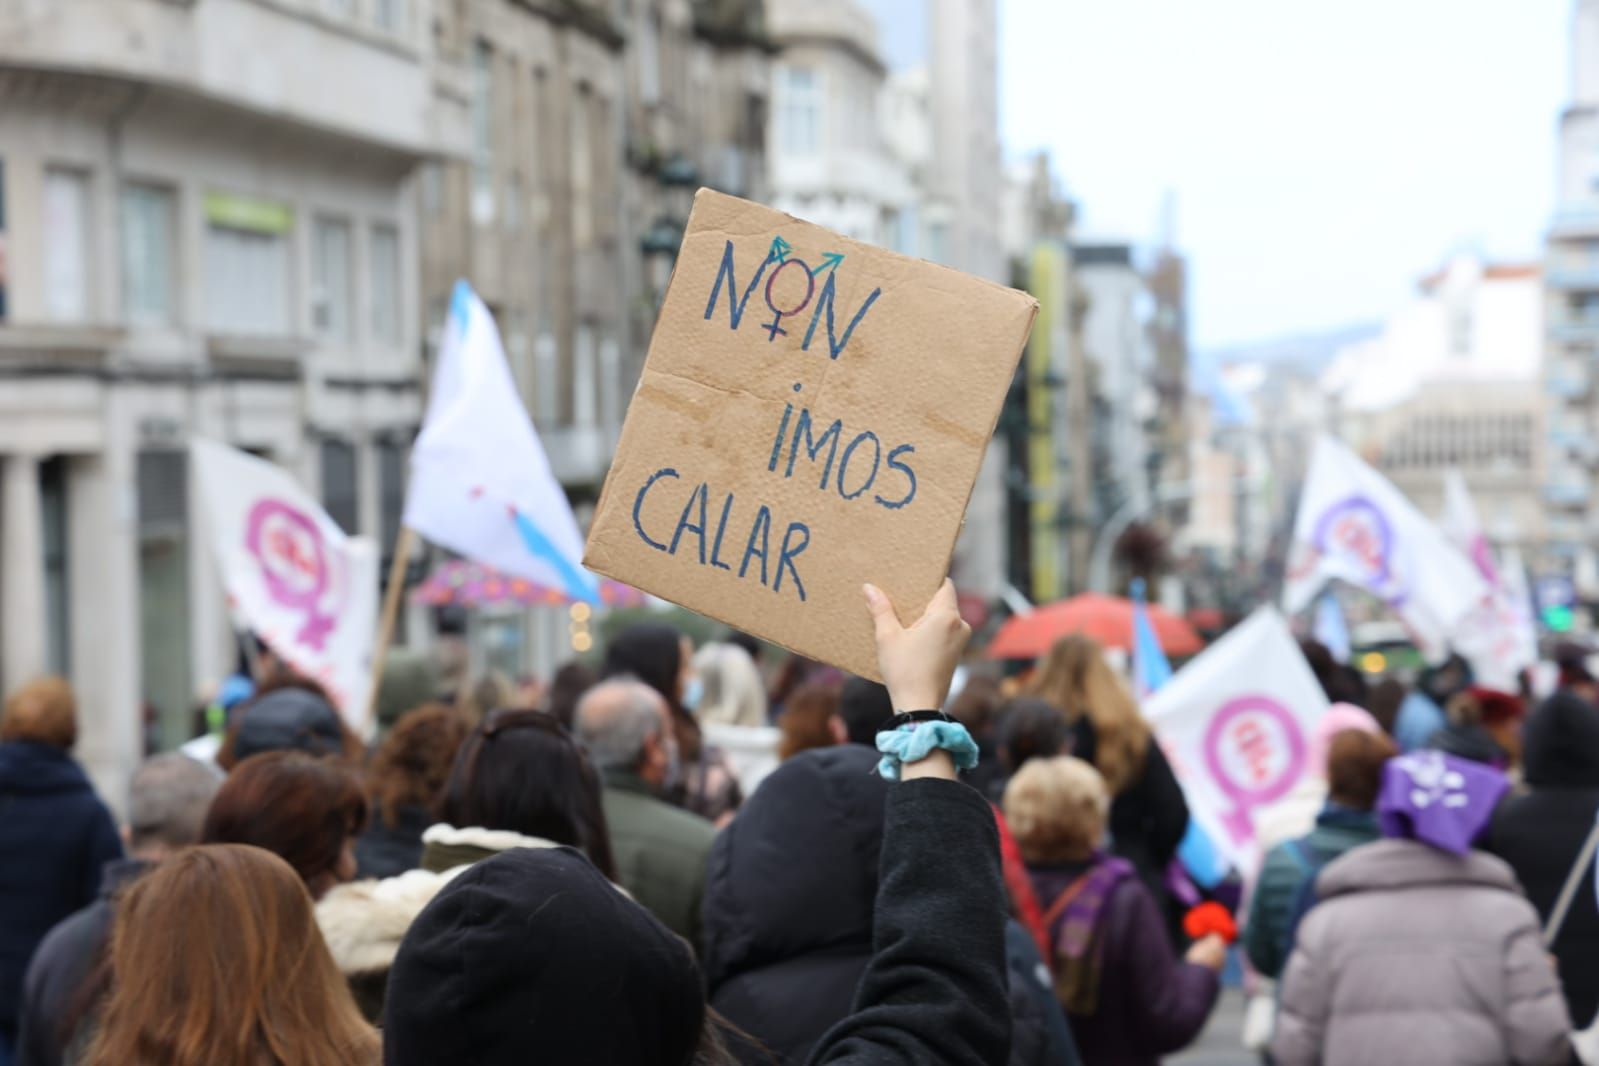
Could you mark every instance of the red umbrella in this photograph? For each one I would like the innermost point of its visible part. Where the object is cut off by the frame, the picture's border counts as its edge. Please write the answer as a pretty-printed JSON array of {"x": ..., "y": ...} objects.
[{"x": 1108, "y": 619}]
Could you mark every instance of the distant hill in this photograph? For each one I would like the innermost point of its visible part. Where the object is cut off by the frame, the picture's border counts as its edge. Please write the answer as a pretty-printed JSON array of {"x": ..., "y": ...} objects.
[{"x": 1306, "y": 352}]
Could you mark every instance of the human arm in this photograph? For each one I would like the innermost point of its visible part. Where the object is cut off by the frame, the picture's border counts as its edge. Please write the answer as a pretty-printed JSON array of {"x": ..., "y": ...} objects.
[
  {"x": 1536, "y": 1021},
  {"x": 935, "y": 990},
  {"x": 1173, "y": 997}
]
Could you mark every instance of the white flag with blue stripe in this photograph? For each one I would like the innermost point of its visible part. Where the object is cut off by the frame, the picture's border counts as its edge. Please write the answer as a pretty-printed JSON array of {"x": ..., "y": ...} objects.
[{"x": 481, "y": 484}]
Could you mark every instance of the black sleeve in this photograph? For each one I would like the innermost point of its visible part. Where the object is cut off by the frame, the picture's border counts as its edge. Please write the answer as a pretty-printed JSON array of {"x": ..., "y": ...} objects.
[
  {"x": 1167, "y": 807},
  {"x": 935, "y": 991}
]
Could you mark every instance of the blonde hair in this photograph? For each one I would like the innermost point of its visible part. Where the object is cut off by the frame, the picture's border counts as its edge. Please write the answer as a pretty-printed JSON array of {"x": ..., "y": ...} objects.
[
  {"x": 43, "y": 710},
  {"x": 734, "y": 694},
  {"x": 1056, "y": 808},
  {"x": 1075, "y": 677}
]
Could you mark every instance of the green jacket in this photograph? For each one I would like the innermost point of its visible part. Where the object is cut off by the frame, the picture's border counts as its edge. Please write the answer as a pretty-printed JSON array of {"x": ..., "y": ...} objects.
[
  {"x": 1338, "y": 829},
  {"x": 660, "y": 852}
]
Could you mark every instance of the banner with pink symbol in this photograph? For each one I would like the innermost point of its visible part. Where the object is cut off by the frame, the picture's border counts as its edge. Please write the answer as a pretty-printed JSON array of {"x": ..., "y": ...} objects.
[
  {"x": 1236, "y": 723},
  {"x": 1353, "y": 525},
  {"x": 291, "y": 574}
]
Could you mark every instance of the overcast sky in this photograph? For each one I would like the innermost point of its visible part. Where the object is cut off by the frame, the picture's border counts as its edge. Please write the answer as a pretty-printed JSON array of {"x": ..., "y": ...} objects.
[{"x": 1323, "y": 155}]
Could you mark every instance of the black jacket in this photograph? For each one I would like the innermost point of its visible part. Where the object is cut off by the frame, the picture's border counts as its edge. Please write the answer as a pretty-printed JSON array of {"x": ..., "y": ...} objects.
[
  {"x": 1540, "y": 831},
  {"x": 935, "y": 989},
  {"x": 55, "y": 838},
  {"x": 792, "y": 903},
  {"x": 389, "y": 850},
  {"x": 1147, "y": 818},
  {"x": 53, "y": 989}
]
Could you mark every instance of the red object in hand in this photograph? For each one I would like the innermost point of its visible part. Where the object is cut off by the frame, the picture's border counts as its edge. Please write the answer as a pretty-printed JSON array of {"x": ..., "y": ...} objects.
[{"x": 1210, "y": 917}]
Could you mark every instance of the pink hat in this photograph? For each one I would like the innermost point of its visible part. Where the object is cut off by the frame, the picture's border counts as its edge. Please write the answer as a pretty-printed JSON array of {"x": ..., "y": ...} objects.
[{"x": 1339, "y": 717}]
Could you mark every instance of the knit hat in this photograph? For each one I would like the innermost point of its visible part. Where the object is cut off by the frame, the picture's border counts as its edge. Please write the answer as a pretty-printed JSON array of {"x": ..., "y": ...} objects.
[
  {"x": 1338, "y": 718},
  {"x": 289, "y": 718},
  {"x": 533, "y": 956},
  {"x": 1438, "y": 799}
]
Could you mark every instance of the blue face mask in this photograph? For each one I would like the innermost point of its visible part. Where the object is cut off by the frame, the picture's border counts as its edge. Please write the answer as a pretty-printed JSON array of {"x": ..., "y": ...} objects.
[{"x": 693, "y": 692}]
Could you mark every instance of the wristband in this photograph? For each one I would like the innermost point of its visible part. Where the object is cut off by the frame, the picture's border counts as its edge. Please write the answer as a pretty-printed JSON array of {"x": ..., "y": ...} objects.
[
  {"x": 904, "y": 718},
  {"x": 916, "y": 740}
]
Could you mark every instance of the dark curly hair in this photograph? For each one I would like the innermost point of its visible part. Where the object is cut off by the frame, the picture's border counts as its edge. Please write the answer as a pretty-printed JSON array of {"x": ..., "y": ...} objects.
[{"x": 413, "y": 764}]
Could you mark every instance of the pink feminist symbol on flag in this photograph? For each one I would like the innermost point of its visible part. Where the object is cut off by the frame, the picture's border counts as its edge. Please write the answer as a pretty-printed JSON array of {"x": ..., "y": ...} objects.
[
  {"x": 294, "y": 568},
  {"x": 1255, "y": 751}
]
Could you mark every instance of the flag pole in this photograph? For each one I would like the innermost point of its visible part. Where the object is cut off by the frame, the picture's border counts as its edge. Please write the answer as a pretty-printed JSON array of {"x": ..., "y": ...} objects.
[{"x": 403, "y": 544}]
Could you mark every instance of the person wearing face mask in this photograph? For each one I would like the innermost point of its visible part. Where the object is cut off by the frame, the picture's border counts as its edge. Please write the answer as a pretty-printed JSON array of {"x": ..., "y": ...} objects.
[
  {"x": 663, "y": 659},
  {"x": 659, "y": 851}
]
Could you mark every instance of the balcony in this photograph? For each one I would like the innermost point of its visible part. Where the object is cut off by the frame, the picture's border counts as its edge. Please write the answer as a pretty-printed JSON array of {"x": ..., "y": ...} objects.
[
  {"x": 296, "y": 60},
  {"x": 1566, "y": 383},
  {"x": 1566, "y": 494},
  {"x": 1577, "y": 276},
  {"x": 1575, "y": 328}
]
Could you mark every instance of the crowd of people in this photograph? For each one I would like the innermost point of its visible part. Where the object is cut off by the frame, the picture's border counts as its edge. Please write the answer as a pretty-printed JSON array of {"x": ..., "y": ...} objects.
[{"x": 683, "y": 856}]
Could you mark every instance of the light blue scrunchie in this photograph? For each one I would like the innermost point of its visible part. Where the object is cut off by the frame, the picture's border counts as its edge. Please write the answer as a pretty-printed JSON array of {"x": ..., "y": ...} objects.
[{"x": 910, "y": 743}]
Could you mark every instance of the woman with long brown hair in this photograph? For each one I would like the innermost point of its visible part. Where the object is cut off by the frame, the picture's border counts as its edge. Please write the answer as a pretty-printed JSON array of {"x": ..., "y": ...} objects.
[
  {"x": 216, "y": 958},
  {"x": 1148, "y": 813},
  {"x": 403, "y": 783}
]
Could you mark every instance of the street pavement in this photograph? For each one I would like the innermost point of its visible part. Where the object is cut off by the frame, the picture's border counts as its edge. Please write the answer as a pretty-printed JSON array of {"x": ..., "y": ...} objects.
[{"x": 1219, "y": 1044}]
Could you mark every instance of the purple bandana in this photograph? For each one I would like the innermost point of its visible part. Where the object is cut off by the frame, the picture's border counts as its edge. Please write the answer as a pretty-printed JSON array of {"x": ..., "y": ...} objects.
[{"x": 1438, "y": 799}]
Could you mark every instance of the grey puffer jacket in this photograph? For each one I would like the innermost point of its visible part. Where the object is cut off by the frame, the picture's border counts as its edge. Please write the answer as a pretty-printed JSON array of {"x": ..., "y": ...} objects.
[{"x": 1417, "y": 956}]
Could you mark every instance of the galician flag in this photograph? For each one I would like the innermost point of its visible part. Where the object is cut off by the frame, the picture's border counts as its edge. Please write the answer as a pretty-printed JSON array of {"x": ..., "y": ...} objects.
[
  {"x": 307, "y": 590},
  {"x": 1355, "y": 526},
  {"x": 481, "y": 484},
  {"x": 1151, "y": 668}
]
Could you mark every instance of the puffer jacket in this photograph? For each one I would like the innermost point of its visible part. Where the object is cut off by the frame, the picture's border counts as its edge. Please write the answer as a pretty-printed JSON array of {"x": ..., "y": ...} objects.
[
  {"x": 1541, "y": 831},
  {"x": 1416, "y": 956}
]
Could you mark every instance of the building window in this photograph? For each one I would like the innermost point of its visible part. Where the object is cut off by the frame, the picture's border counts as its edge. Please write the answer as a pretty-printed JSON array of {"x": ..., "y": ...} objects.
[
  {"x": 582, "y": 169},
  {"x": 389, "y": 15},
  {"x": 339, "y": 489},
  {"x": 330, "y": 279},
  {"x": 385, "y": 256},
  {"x": 610, "y": 371},
  {"x": 391, "y": 497},
  {"x": 482, "y": 132},
  {"x": 546, "y": 381},
  {"x": 247, "y": 265},
  {"x": 57, "y": 590},
  {"x": 148, "y": 230},
  {"x": 66, "y": 244},
  {"x": 163, "y": 509},
  {"x": 2, "y": 239},
  {"x": 799, "y": 110},
  {"x": 432, "y": 189},
  {"x": 585, "y": 371},
  {"x": 938, "y": 241},
  {"x": 649, "y": 58}
]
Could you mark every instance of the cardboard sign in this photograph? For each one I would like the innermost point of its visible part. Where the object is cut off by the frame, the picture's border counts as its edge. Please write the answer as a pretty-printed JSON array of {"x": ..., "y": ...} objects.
[{"x": 811, "y": 416}]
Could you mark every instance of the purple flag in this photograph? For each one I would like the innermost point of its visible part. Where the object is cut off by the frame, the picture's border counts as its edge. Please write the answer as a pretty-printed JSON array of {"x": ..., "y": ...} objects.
[{"x": 1438, "y": 799}]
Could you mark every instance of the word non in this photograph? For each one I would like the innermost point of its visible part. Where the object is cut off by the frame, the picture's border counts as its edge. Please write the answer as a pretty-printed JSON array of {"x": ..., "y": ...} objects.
[{"x": 797, "y": 270}]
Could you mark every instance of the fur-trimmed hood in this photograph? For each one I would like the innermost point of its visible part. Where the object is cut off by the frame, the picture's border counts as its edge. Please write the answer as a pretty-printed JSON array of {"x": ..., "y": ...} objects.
[{"x": 364, "y": 921}]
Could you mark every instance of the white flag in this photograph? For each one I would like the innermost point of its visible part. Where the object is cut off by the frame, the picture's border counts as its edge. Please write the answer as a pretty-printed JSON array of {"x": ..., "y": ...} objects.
[
  {"x": 481, "y": 484},
  {"x": 1497, "y": 637},
  {"x": 1236, "y": 723},
  {"x": 1354, "y": 525},
  {"x": 307, "y": 590}
]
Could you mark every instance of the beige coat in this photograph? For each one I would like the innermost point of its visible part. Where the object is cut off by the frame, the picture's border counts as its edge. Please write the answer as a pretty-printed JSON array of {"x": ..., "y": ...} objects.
[{"x": 1416, "y": 956}]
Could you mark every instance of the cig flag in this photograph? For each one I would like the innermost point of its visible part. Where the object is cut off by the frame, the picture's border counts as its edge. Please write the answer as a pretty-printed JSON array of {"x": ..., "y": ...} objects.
[
  {"x": 1355, "y": 526},
  {"x": 291, "y": 574},
  {"x": 1497, "y": 636},
  {"x": 481, "y": 484},
  {"x": 1236, "y": 724}
]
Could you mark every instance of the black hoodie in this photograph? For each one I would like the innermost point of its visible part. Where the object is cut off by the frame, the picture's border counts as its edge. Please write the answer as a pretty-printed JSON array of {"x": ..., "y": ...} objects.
[
  {"x": 1541, "y": 830},
  {"x": 789, "y": 910}
]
